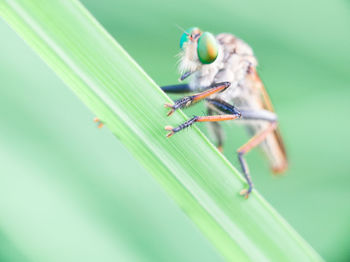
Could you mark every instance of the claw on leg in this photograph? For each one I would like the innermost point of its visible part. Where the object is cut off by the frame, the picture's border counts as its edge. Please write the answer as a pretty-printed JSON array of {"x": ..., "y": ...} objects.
[
  {"x": 245, "y": 192},
  {"x": 180, "y": 103},
  {"x": 221, "y": 149},
  {"x": 169, "y": 128},
  {"x": 97, "y": 120},
  {"x": 167, "y": 105}
]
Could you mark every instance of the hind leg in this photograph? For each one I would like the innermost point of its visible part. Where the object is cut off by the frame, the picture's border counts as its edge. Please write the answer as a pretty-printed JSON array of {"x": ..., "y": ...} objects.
[
  {"x": 224, "y": 107},
  {"x": 252, "y": 143}
]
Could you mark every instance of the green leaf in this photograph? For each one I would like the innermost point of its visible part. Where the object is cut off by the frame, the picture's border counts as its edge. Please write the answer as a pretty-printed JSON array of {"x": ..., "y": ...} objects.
[{"x": 201, "y": 181}]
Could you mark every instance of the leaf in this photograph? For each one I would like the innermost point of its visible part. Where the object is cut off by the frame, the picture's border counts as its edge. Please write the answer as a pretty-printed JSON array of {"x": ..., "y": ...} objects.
[{"x": 201, "y": 181}]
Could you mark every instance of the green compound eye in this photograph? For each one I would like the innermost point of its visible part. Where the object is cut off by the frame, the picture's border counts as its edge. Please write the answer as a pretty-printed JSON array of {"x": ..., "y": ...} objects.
[
  {"x": 207, "y": 48},
  {"x": 187, "y": 34}
]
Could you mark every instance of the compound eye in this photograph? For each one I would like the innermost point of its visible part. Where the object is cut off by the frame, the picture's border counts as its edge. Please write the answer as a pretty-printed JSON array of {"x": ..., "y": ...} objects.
[
  {"x": 188, "y": 34},
  {"x": 207, "y": 48}
]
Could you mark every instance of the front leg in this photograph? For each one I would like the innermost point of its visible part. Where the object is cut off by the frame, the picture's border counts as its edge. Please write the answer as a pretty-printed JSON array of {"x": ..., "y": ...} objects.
[
  {"x": 177, "y": 89},
  {"x": 190, "y": 100},
  {"x": 195, "y": 119}
]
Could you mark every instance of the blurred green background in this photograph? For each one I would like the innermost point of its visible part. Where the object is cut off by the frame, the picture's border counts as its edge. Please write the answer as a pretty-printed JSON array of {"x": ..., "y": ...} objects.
[{"x": 71, "y": 192}]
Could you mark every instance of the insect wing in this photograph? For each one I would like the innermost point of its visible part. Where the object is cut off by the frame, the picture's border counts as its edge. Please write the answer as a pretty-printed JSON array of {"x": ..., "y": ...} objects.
[{"x": 274, "y": 145}]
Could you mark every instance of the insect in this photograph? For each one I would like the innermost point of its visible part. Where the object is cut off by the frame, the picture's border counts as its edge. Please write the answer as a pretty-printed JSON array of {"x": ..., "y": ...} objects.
[{"x": 223, "y": 73}]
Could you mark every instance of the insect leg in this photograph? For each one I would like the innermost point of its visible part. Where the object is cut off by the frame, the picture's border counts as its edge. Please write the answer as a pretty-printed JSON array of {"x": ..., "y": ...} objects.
[
  {"x": 190, "y": 100},
  {"x": 220, "y": 106},
  {"x": 262, "y": 115},
  {"x": 217, "y": 131},
  {"x": 200, "y": 119},
  {"x": 253, "y": 142},
  {"x": 100, "y": 123},
  {"x": 176, "y": 89}
]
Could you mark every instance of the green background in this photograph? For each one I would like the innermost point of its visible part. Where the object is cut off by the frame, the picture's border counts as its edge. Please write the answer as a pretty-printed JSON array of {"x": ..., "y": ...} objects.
[{"x": 70, "y": 189}]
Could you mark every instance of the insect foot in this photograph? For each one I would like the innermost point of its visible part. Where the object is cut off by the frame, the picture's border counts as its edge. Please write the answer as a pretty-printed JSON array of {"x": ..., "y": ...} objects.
[
  {"x": 180, "y": 103},
  {"x": 167, "y": 105},
  {"x": 97, "y": 120},
  {"x": 245, "y": 192},
  {"x": 169, "y": 128},
  {"x": 221, "y": 149},
  {"x": 184, "y": 125}
]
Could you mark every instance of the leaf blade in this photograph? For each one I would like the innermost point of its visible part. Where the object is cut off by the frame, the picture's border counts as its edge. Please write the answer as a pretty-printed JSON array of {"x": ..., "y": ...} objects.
[{"x": 201, "y": 181}]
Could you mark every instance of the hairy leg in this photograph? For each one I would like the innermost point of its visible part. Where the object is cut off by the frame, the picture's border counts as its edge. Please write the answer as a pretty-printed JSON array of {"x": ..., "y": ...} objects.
[{"x": 190, "y": 100}]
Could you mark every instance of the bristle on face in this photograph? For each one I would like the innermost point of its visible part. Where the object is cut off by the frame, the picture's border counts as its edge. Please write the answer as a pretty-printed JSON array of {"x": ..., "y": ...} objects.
[{"x": 188, "y": 59}]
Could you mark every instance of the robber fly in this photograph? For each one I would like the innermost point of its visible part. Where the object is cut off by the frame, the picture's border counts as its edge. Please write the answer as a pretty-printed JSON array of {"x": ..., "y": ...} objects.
[{"x": 223, "y": 73}]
